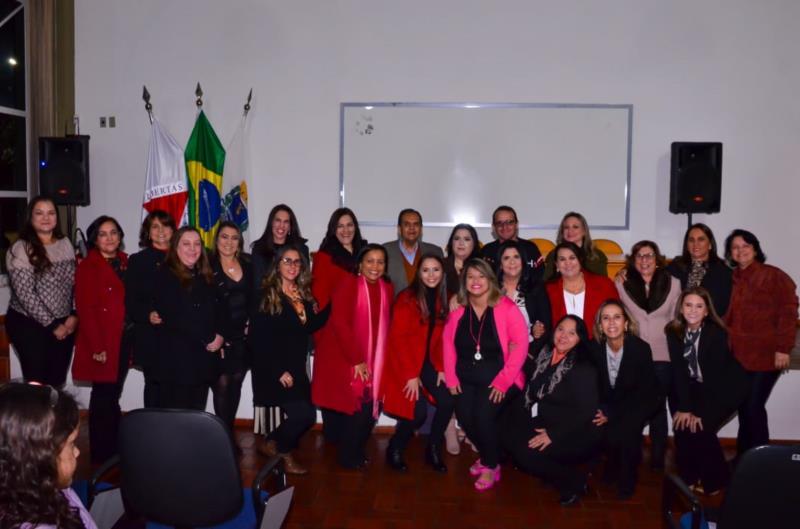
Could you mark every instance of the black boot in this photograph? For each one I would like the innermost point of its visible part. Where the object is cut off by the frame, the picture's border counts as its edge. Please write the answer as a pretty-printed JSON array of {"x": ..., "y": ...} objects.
[
  {"x": 433, "y": 456},
  {"x": 394, "y": 458}
]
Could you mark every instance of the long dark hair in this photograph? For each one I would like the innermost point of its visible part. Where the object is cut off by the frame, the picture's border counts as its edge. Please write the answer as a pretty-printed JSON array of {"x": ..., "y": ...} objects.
[
  {"x": 476, "y": 242},
  {"x": 748, "y": 237},
  {"x": 525, "y": 281},
  {"x": 685, "y": 257},
  {"x": 233, "y": 226},
  {"x": 581, "y": 349},
  {"x": 161, "y": 216},
  {"x": 93, "y": 231},
  {"x": 273, "y": 286},
  {"x": 420, "y": 290},
  {"x": 331, "y": 245},
  {"x": 35, "y": 422},
  {"x": 572, "y": 247},
  {"x": 180, "y": 271},
  {"x": 265, "y": 245},
  {"x": 37, "y": 253}
]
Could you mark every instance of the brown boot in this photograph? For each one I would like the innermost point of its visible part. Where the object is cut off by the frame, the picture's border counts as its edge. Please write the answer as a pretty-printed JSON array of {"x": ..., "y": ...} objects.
[
  {"x": 266, "y": 448},
  {"x": 290, "y": 466}
]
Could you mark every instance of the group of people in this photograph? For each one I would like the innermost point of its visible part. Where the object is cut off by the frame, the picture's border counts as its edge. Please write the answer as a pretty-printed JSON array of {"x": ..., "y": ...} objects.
[{"x": 544, "y": 360}]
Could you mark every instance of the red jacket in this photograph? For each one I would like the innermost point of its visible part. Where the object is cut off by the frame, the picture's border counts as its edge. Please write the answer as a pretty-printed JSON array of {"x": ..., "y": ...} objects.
[
  {"x": 598, "y": 289},
  {"x": 100, "y": 303},
  {"x": 325, "y": 276},
  {"x": 762, "y": 316},
  {"x": 408, "y": 336},
  {"x": 337, "y": 351}
]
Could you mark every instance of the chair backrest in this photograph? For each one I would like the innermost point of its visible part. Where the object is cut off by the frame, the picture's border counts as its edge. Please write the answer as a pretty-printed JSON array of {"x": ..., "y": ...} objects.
[
  {"x": 608, "y": 247},
  {"x": 178, "y": 467},
  {"x": 545, "y": 245},
  {"x": 764, "y": 491}
]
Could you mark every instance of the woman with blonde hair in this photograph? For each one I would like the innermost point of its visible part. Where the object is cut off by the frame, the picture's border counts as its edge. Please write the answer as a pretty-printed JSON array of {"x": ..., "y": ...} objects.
[
  {"x": 575, "y": 229},
  {"x": 485, "y": 344}
]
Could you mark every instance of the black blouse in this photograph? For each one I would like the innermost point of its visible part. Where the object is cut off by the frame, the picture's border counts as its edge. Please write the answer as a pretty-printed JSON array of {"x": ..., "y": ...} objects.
[{"x": 469, "y": 330}]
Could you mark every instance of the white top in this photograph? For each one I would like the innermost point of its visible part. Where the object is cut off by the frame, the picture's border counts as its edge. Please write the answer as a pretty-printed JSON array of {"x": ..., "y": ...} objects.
[
  {"x": 613, "y": 361},
  {"x": 519, "y": 300},
  {"x": 574, "y": 303}
]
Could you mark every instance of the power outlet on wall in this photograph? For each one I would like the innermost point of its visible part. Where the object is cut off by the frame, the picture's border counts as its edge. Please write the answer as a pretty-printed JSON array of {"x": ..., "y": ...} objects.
[
  {"x": 102, "y": 122},
  {"x": 112, "y": 121}
]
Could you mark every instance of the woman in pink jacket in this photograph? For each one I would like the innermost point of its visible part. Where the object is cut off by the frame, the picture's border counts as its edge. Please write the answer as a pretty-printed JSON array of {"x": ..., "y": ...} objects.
[{"x": 485, "y": 344}]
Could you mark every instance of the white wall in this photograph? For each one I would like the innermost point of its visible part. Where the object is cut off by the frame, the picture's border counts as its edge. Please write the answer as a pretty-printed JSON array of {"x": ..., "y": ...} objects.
[{"x": 695, "y": 71}]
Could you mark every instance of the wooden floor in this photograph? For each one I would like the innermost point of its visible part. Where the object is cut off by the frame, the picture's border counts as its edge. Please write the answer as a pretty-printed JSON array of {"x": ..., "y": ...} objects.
[{"x": 330, "y": 497}]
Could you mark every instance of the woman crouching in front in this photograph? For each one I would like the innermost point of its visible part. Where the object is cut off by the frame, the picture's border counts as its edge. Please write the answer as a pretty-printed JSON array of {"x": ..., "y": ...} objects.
[
  {"x": 557, "y": 425},
  {"x": 485, "y": 344}
]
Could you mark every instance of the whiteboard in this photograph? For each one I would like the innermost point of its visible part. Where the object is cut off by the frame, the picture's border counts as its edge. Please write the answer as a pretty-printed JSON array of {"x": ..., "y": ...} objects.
[{"x": 456, "y": 162}]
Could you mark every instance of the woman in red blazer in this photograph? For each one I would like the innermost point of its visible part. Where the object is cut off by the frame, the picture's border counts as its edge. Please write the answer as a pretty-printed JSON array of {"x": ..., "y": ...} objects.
[
  {"x": 334, "y": 262},
  {"x": 100, "y": 356},
  {"x": 575, "y": 290},
  {"x": 414, "y": 367},
  {"x": 347, "y": 375}
]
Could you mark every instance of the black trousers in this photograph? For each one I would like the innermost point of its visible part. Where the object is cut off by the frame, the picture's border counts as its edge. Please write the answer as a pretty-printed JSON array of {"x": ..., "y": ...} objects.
[
  {"x": 182, "y": 396},
  {"x": 659, "y": 421},
  {"x": 42, "y": 357},
  {"x": 558, "y": 463},
  {"x": 332, "y": 425},
  {"x": 445, "y": 404},
  {"x": 356, "y": 429},
  {"x": 299, "y": 417},
  {"x": 478, "y": 415},
  {"x": 753, "y": 420},
  {"x": 152, "y": 391},
  {"x": 623, "y": 447},
  {"x": 699, "y": 454},
  {"x": 104, "y": 410}
]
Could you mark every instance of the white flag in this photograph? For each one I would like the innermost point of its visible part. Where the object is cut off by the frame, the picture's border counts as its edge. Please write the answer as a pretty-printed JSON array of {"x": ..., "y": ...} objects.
[
  {"x": 165, "y": 183},
  {"x": 236, "y": 183}
]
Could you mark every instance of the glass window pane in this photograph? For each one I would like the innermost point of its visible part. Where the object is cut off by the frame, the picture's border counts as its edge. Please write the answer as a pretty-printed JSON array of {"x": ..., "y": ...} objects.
[
  {"x": 12, "y": 215},
  {"x": 12, "y": 62},
  {"x": 13, "y": 167}
]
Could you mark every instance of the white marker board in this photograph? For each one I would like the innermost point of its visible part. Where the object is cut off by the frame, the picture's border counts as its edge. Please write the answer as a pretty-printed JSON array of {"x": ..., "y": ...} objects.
[{"x": 456, "y": 162}]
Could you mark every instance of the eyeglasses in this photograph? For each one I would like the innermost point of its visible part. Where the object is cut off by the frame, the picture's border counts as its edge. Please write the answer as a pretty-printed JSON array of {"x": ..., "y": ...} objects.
[
  {"x": 291, "y": 262},
  {"x": 505, "y": 223},
  {"x": 645, "y": 256}
]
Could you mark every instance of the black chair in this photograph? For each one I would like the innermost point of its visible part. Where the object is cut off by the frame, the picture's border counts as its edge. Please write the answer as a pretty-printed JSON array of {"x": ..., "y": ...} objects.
[
  {"x": 178, "y": 468},
  {"x": 764, "y": 493}
]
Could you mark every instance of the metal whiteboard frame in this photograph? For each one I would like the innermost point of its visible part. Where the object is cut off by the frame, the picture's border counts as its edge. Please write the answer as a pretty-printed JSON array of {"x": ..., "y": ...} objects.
[{"x": 369, "y": 106}]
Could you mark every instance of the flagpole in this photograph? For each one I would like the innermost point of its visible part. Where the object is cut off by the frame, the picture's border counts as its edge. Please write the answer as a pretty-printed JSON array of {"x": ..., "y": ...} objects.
[
  {"x": 247, "y": 104},
  {"x": 199, "y": 93},
  {"x": 147, "y": 106}
]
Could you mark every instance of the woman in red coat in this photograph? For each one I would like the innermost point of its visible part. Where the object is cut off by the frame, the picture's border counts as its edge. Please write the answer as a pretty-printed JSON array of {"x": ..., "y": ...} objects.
[
  {"x": 100, "y": 356},
  {"x": 414, "y": 363},
  {"x": 333, "y": 263},
  {"x": 575, "y": 290},
  {"x": 347, "y": 374}
]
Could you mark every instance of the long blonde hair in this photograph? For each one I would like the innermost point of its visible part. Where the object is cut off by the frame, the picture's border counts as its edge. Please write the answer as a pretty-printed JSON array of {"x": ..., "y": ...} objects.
[
  {"x": 273, "y": 284},
  {"x": 483, "y": 267}
]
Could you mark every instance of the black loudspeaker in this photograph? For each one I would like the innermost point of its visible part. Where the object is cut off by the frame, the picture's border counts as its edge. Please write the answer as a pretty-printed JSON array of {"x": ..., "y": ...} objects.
[
  {"x": 64, "y": 170},
  {"x": 695, "y": 177}
]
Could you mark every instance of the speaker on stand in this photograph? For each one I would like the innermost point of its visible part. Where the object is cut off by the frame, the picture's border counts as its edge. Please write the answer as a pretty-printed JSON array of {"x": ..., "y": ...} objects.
[
  {"x": 695, "y": 178},
  {"x": 64, "y": 173}
]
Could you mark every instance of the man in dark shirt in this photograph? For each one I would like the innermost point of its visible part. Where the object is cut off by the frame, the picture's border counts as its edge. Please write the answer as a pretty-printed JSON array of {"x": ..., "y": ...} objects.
[{"x": 505, "y": 227}]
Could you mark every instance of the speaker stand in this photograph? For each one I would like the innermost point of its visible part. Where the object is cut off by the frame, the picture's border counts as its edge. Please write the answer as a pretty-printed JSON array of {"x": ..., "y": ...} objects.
[{"x": 689, "y": 216}]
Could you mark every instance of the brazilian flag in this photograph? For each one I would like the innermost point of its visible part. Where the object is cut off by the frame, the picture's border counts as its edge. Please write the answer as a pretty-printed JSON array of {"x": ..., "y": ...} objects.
[{"x": 205, "y": 159}]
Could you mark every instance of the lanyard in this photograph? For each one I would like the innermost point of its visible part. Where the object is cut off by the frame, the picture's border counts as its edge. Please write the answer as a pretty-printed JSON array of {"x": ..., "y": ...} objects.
[{"x": 477, "y": 340}]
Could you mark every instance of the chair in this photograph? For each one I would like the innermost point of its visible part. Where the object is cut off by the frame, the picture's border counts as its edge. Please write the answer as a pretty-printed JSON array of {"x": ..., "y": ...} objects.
[
  {"x": 764, "y": 492},
  {"x": 178, "y": 468},
  {"x": 545, "y": 245},
  {"x": 608, "y": 247}
]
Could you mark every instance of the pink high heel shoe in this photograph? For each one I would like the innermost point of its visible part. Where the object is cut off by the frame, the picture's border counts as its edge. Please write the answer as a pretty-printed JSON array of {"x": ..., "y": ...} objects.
[
  {"x": 487, "y": 479},
  {"x": 476, "y": 468}
]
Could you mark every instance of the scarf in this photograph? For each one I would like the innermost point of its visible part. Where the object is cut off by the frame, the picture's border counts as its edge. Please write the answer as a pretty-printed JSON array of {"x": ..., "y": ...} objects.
[
  {"x": 365, "y": 333},
  {"x": 659, "y": 289},
  {"x": 697, "y": 271},
  {"x": 690, "y": 353},
  {"x": 546, "y": 376}
]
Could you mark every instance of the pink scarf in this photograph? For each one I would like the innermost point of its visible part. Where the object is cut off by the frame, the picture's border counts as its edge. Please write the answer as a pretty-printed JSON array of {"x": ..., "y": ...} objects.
[{"x": 362, "y": 325}]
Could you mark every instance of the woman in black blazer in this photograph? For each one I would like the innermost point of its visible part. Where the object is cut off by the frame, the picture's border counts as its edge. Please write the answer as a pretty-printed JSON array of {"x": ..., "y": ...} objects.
[
  {"x": 708, "y": 385},
  {"x": 232, "y": 271},
  {"x": 553, "y": 428},
  {"x": 280, "y": 326},
  {"x": 141, "y": 316},
  {"x": 188, "y": 336},
  {"x": 628, "y": 391},
  {"x": 700, "y": 266}
]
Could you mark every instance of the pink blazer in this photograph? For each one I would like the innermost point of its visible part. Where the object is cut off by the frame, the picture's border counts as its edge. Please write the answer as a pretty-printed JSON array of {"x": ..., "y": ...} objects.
[{"x": 513, "y": 334}]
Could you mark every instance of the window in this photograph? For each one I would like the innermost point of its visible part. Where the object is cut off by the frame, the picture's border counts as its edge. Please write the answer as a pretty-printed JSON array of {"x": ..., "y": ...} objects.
[{"x": 13, "y": 125}]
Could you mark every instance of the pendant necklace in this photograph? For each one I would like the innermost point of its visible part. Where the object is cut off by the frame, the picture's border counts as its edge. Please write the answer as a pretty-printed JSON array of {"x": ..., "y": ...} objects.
[{"x": 477, "y": 340}]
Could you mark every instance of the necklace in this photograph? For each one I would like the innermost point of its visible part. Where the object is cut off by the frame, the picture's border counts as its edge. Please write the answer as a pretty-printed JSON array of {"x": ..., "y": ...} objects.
[{"x": 477, "y": 341}]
